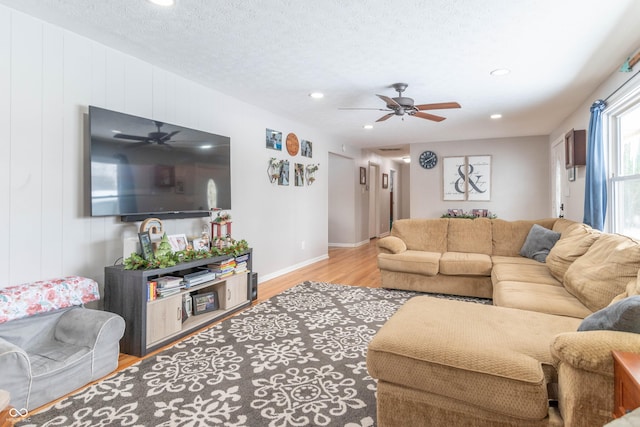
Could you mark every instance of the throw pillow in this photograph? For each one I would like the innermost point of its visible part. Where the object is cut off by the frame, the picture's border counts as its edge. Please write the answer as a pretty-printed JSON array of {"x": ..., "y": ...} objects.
[
  {"x": 622, "y": 316},
  {"x": 539, "y": 242}
]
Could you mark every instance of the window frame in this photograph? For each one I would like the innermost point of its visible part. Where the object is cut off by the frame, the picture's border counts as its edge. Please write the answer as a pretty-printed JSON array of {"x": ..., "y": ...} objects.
[{"x": 626, "y": 102}]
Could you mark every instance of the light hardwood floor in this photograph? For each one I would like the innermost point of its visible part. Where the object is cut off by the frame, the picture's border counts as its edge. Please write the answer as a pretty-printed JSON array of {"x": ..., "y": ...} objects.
[{"x": 346, "y": 266}]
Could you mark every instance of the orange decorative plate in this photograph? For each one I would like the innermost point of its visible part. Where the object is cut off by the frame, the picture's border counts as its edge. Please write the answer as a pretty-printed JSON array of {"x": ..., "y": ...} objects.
[{"x": 293, "y": 145}]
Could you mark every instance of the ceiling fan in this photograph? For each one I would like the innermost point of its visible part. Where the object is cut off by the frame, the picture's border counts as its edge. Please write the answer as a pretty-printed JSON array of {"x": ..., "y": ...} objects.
[
  {"x": 157, "y": 137},
  {"x": 401, "y": 105}
]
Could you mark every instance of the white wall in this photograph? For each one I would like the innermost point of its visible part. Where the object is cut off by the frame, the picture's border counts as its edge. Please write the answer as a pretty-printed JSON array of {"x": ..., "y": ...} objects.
[
  {"x": 519, "y": 178},
  {"x": 574, "y": 199},
  {"x": 48, "y": 77}
]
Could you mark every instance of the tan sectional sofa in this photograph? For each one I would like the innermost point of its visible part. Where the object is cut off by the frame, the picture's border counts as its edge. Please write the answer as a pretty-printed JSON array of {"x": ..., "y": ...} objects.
[{"x": 520, "y": 361}]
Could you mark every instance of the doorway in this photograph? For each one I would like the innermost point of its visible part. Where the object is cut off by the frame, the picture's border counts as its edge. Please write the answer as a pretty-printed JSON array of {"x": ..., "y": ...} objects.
[
  {"x": 393, "y": 198},
  {"x": 559, "y": 186},
  {"x": 374, "y": 211}
]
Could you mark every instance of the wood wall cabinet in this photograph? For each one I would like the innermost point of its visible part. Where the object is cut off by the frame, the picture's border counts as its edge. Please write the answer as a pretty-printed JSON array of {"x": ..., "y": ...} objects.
[
  {"x": 153, "y": 324},
  {"x": 575, "y": 148}
]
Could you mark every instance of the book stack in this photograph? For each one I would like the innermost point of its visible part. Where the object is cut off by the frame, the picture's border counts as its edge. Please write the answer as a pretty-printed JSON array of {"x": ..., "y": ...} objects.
[
  {"x": 152, "y": 287},
  {"x": 224, "y": 268},
  {"x": 168, "y": 285},
  {"x": 241, "y": 263}
]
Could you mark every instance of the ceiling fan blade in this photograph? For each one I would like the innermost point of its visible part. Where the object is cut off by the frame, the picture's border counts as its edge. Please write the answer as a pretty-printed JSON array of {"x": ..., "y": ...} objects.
[
  {"x": 168, "y": 136},
  {"x": 437, "y": 106},
  {"x": 377, "y": 109},
  {"x": 390, "y": 102},
  {"x": 131, "y": 137},
  {"x": 428, "y": 116},
  {"x": 385, "y": 117}
]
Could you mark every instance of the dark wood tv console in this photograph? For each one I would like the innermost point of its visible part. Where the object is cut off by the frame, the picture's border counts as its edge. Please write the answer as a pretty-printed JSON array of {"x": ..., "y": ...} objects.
[{"x": 153, "y": 324}]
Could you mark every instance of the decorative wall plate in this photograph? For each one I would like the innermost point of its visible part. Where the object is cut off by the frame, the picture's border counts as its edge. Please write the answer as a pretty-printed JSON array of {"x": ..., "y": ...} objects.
[{"x": 293, "y": 145}]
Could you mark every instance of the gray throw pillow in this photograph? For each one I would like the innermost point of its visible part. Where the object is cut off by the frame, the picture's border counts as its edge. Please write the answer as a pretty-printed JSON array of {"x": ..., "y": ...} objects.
[
  {"x": 539, "y": 242},
  {"x": 623, "y": 315}
]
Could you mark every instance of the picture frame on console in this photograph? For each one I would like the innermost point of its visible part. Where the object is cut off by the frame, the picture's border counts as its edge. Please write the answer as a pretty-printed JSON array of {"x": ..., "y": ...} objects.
[
  {"x": 178, "y": 242},
  {"x": 145, "y": 245},
  {"x": 203, "y": 303}
]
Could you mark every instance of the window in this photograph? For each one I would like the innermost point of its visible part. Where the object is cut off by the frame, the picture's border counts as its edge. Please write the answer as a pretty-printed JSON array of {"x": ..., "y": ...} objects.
[{"x": 624, "y": 134}]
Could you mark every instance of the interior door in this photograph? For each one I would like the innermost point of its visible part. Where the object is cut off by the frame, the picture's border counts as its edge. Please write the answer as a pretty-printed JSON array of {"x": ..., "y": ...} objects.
[{"x": 559, "y": 186}]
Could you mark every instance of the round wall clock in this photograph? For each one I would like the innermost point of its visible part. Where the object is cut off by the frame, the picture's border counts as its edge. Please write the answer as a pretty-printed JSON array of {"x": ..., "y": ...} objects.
[
  {"x": 292, "y": 144},
  {"x": 428, "y": 159}
]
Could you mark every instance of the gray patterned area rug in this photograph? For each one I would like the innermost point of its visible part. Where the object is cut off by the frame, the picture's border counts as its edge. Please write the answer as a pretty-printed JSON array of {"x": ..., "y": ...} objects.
[{"x": 297, "y": 359}]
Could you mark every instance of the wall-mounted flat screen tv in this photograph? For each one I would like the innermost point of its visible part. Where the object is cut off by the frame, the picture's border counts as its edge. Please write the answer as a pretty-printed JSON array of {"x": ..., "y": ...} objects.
[{"x": 144, "y": 168}]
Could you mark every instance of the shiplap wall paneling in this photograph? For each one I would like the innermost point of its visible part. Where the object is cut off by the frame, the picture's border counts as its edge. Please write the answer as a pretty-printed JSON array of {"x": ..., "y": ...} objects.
[
  {"x": 99, "y": 235},
  {"x": 52, "y": 150},
  {"x": 76, "y": 240},
  {"x": 26, "y": 148},
  {"x": 5, "y": 143}
]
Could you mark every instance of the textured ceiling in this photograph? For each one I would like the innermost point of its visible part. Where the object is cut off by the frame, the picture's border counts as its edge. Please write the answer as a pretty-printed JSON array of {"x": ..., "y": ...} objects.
[{"x": 273, "y": 53}]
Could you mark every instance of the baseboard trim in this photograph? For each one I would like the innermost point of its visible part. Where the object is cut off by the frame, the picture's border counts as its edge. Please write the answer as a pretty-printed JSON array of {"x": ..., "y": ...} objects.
[
  {"x": 348, "y": 245},
  {"x": 291, "y": 268}
]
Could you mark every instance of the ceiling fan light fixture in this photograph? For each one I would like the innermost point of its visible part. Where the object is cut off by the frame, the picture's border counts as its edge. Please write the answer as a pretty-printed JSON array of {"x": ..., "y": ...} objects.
[
  {"x": 496, "y": 116},
  {"x": 367, "y": 126},
  {"x": 316, "y": 95},
  {"x": 164, "y": 3},
  {"x": 500, "y": 72}
]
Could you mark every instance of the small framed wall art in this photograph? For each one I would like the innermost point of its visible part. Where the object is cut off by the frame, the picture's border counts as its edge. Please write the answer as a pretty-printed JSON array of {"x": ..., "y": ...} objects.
[
  {"x": 273, "y": 139},
  {"x": 363, "y": 176},
  {"x": 385, "y": 180},
  {"x": 306, "y": 148}
]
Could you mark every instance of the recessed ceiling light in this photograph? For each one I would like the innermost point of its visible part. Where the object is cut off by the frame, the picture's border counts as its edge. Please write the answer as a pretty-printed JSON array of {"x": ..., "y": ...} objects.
[
  {"x": 368, "y": 126},
  {"x": 496, "y": 116},
  {"x": 406, "y": 159},
  {"x": 165, "y": 3},
  {"x": 206, "y": 146},
  {"x": 316, "y": 95},
  {"x": 500, "y": 72}
]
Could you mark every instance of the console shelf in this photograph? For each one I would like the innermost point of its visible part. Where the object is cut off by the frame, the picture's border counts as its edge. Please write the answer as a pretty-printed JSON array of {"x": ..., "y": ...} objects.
[{"x": 153, "y": 324}]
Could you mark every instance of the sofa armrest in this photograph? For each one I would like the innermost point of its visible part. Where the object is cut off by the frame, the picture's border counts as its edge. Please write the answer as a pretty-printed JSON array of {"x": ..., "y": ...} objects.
[
  {"x": 591, "y": 350},
  {"x": 87, "y": 327},
  {"x": 16, "y": 373},
  {"x": 391, "y": 245}
]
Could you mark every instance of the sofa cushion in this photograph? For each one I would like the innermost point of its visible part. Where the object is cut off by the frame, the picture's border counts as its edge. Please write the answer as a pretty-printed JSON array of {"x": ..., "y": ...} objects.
[
  {"x": 491, "y": 357},
  {"x": 574, "y": 242},
  {"x": 604, "y": 270},
  {"x": 562, "y": 224},
  {"x": 623, "y": 316},
  {"x": 531, "y": 273},
  {"x": 507, "y": 237},
  {"x": 539, "y": 298},
  {"x": 410, "y": 261},
  {"x": 465, "y": 264},
  {"x": 498, "y": 259},
  {"x": 422, "y": 234},
  {"x": 539, "y": 242},
  {"x": 469, "y": 235}
]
